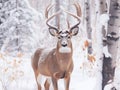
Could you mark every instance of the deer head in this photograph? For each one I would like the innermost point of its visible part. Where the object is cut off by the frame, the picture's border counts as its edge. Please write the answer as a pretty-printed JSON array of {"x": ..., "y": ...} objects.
[{"x": 64, "y": 37}]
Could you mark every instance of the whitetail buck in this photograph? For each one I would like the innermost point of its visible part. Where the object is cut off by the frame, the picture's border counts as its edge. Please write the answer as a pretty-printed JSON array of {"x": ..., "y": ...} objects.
[{"x": 57, "y": 63}]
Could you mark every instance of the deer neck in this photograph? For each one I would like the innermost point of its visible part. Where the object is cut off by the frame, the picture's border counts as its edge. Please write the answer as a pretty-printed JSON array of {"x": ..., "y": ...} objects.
[{"x": 63, "y": 59}]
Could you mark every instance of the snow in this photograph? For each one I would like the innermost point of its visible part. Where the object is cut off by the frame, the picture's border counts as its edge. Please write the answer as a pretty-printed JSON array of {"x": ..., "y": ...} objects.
[
  {"x": 109, "y": 86},
  {"x": 105, "y": 51},
  {"x": 104, "y": 18}
]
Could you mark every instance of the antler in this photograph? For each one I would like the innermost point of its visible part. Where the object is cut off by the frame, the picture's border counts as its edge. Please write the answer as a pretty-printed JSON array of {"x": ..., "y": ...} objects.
[
  {"x": 78, "y": 9},
  {"x": 49, "y": 18}
]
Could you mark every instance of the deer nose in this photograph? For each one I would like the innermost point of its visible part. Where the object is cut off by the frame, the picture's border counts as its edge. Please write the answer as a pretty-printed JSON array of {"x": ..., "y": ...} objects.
[{"x": 64, "y": 43}]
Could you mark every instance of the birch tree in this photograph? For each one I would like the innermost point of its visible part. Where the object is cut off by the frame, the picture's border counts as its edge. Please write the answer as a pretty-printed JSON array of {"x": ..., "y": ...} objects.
[{"x": 111, "y": 64}]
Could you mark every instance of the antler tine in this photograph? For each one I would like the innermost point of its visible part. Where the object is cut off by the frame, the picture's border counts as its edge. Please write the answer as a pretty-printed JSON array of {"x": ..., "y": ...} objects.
[
  {"x": 78, "y": 8},
  {"x": 57, "y": 13},
  {"x": 68, "y": 23},
  {"x": 72, "y": 15},
  {"x": 49, "y": 18},
  {"x": 78, "y": 18},
  {"x": 48, "y": 9}
]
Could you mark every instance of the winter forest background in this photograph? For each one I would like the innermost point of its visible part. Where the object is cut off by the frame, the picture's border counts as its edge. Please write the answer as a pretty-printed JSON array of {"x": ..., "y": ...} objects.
[{"x": 96, "y": 47}]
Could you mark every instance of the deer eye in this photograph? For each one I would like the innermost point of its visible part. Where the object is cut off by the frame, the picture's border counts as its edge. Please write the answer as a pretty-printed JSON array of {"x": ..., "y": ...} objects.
[
  {"x": 68, "y": 37},
  {"x": 59, "y": 37}
]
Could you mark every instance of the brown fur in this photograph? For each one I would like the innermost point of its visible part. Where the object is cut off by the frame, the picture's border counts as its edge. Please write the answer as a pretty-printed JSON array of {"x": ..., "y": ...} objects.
[{"x": 56, "y": 65}]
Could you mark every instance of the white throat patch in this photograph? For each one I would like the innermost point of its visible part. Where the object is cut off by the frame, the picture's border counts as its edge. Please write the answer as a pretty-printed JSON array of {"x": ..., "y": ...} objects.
[{"x": 65, "y": 50}]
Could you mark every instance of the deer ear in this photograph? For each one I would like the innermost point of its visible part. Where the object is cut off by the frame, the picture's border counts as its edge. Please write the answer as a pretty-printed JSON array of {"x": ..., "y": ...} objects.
[
  {"x": 53, "y": 31},
  {"x": 74, "y": 31}
]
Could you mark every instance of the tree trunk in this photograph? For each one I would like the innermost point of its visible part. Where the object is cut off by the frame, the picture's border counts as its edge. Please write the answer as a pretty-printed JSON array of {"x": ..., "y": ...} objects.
[
  {"x": 57, "y": 19},
  {"x": 109, "y": 63},
  {"x": 117, "y": 69},
  {"x": 97, "y": 42},
  {"x": 88, "y": 24}
]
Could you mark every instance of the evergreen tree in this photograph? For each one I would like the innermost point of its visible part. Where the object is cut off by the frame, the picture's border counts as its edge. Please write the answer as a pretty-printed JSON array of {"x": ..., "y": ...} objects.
[{"x": 16, "y": 26}]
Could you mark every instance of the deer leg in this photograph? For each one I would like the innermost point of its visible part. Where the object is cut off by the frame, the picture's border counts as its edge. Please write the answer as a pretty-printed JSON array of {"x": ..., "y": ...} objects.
[
  {"x": 36, "y": 76},
  {"x": 47, "y": 84},
  {"x": 39, "y": 86},
  {"x": 54, "y": 81},
  {"x": 67, "y": 82}
]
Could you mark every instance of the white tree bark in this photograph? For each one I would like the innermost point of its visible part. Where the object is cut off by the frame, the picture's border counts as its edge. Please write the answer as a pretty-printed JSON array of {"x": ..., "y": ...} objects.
[
  {"x": 111, "y": 67},
  {"x": 97, "y": 43},
  {"x": 117, "y": 69},
  {"x": 115, "y": 47}
]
